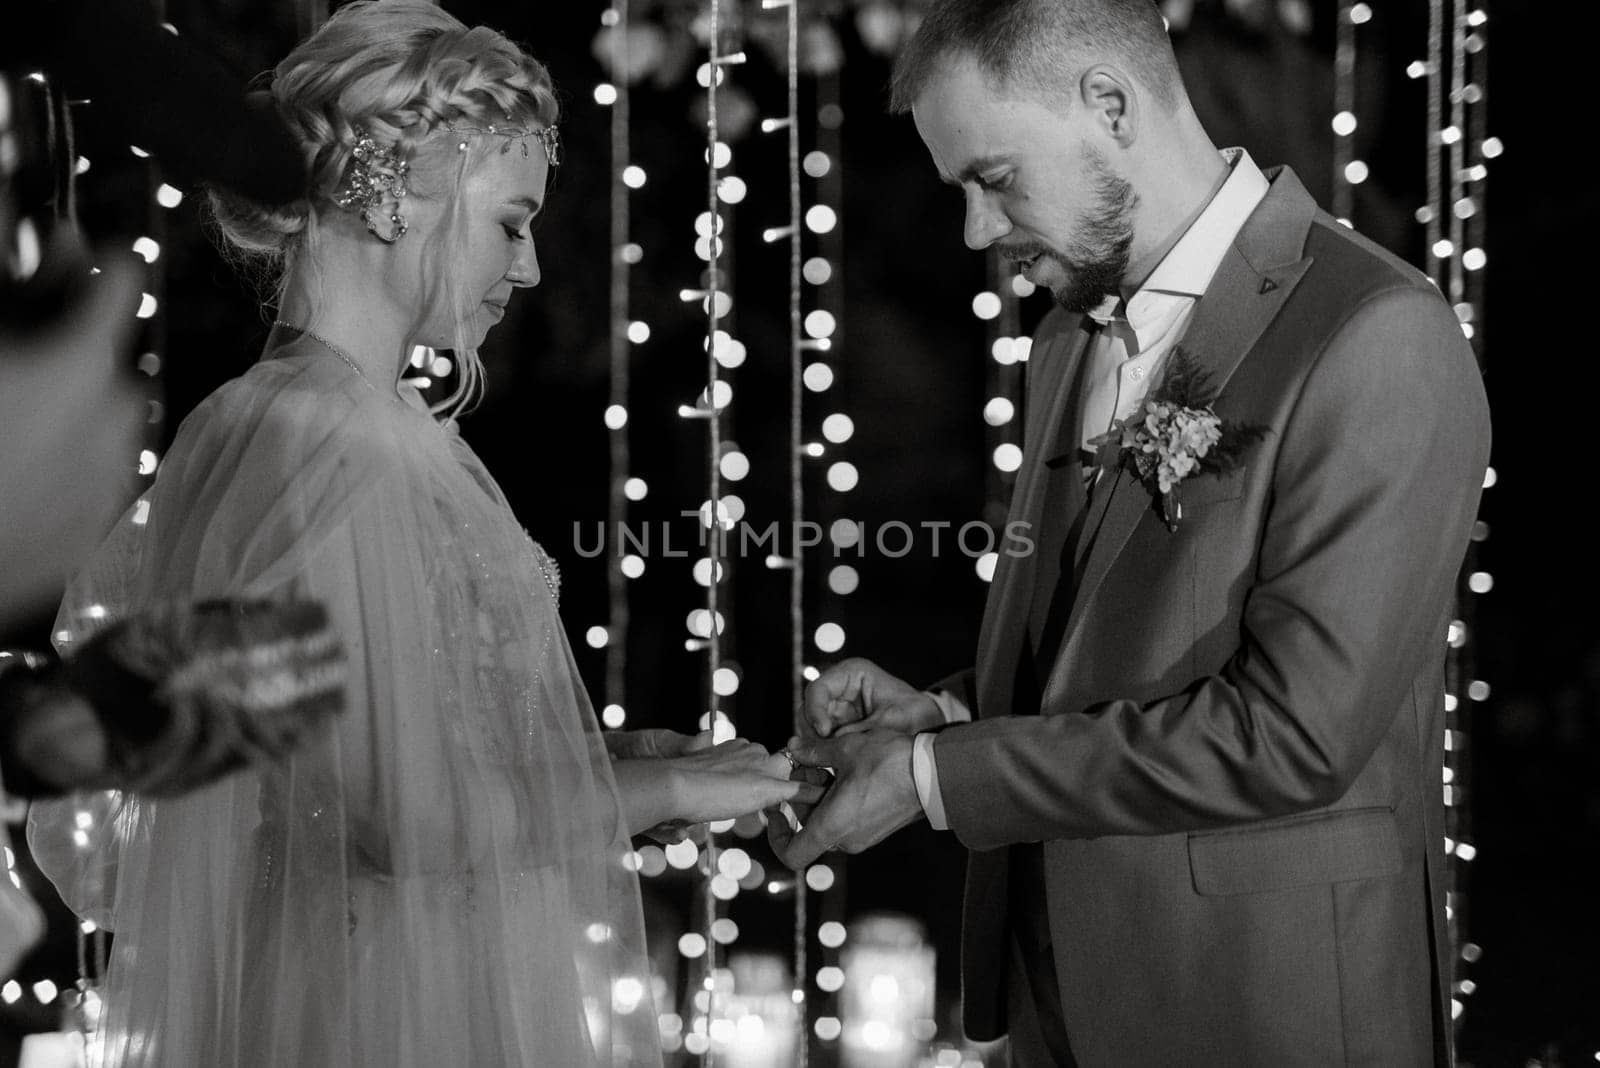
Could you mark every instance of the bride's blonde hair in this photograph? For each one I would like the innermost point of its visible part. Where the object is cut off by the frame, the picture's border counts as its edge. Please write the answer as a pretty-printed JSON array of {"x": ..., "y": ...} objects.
[{"x": 399, "y": 70}]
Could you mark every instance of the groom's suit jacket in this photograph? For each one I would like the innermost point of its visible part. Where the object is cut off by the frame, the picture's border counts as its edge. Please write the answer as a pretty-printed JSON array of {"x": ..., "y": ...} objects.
[{"x": 1232, "y": 749}]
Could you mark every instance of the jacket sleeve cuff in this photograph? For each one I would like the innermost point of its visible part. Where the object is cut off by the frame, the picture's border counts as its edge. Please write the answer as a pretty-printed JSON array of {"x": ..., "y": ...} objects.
[{"x": 951, "y": 707}]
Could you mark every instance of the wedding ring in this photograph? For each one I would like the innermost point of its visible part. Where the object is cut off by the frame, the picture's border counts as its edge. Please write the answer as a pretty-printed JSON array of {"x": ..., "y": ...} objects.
[{"x": 793, "y": 763}]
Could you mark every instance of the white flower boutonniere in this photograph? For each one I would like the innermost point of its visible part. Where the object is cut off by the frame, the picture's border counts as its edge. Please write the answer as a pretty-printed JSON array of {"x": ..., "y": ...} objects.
[{"x": 1175, "y": 434}]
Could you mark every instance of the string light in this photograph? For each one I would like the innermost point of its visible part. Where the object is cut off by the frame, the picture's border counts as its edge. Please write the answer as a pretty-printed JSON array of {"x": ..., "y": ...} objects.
[
  {"x": 998, "y": 307},
  {"x": 818, "y": 377},
  {"x": 813, "y": 332},
  {"x": 624, "y": 334},
  {"x": 713, "y": 231},
  {"x": 796, "y": 560},
  {"x": 1454, "y": 221},
  {"x": 1347, "y": 174}
]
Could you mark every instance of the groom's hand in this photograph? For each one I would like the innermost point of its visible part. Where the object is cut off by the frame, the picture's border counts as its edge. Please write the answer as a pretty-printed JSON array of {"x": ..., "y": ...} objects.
[
  {"x": 872, "y": 796},
  {"x": 858, "y": 695}
]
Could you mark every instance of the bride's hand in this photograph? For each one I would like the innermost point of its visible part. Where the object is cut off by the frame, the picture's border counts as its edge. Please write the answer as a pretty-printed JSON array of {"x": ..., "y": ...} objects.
[
  {"x": 653, "y": 742},
  {"x": 659, "y": 742},
  {"x": 722, "y": 781}
]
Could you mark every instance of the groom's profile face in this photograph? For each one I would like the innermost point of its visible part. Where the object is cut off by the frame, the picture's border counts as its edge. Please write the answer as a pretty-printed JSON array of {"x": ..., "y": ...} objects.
[{"x": 1034, "y": 183}]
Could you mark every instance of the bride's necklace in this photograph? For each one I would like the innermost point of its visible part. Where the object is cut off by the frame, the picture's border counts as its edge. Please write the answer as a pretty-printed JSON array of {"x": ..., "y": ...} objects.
[
  {"x": 330, "y": 346},
  {"x": 352, "y": 364}
]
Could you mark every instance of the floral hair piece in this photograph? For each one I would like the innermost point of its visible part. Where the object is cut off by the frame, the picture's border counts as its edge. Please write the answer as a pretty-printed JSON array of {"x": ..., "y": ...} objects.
[{"x": 375, "y": 173}]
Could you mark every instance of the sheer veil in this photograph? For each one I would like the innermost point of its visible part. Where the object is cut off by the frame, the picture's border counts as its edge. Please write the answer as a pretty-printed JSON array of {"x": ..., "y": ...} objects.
[{"x": 439, "y": 880}]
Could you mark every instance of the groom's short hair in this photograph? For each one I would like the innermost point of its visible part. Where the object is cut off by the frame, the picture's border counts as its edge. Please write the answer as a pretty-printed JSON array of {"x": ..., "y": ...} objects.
[{"x": 1040, "y": 47}]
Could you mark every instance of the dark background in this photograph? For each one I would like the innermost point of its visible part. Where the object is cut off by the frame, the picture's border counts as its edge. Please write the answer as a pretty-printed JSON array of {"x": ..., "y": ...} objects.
[{"x": 911, "y": 372}]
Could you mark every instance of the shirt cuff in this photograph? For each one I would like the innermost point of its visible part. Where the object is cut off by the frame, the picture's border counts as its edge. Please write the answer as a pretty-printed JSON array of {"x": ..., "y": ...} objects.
[
  {"x": 951, "y": 707},
  {"x": 925, "y": 772}
]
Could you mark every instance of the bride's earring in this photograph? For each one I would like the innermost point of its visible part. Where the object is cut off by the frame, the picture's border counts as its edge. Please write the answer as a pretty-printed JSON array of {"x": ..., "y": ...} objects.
[
  {"x": 376, "y": 175},
  {"x": 396, "y": 224}
]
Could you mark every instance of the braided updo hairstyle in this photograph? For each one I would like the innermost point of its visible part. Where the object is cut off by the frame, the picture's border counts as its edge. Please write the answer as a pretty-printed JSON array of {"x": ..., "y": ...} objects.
[{"x": 397, "y": 69}]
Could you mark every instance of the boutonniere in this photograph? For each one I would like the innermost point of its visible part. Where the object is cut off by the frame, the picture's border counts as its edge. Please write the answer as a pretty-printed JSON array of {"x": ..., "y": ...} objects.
[{"x": 1175, "y": 434}]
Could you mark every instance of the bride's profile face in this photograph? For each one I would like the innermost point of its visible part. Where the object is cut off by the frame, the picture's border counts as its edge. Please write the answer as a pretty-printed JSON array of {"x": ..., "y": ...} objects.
[{"x": 502, "y": 196}]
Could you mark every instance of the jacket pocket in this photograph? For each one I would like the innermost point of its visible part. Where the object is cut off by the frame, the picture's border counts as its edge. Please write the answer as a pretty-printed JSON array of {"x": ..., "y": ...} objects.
[
  {"x": 1328, "y": 847},
  {"x": 1200, "y": 490}
]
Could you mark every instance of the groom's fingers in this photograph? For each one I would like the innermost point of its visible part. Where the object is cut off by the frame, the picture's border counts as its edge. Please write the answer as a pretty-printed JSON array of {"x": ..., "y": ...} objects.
[
  {"x": 815, "y": 776},
  {"x": 824, "y": 753},
  {"x": 817, "y": 781},
  {"x": 879, "y": 720},
  {"x": 834, "y": 697},
  {"x": 799, "y": 847},
  {"x": 820, "y": 700},
  {"x": 810, "y": 843},
  {"x": 779, "y": 831},
  {"x": 820, "y": 833}
]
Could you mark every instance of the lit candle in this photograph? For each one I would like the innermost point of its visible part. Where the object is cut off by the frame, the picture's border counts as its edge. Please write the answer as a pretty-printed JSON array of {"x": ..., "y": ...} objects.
[{"x": 887, "y": 1001}]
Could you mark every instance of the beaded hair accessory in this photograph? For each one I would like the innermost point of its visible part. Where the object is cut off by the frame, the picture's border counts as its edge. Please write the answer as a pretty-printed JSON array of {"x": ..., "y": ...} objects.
[
  {"x": 548, "y": 136},
  {"x": 375, "y": 174}
]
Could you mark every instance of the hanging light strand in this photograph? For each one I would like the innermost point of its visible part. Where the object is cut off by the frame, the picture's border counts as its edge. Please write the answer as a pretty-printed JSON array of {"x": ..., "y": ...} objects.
[
  {"x": 999, "y": 307},
  {"x": 797, "y": 619},
  {"x": 1465, "y": 288},
  {"x": 1458, "y": 154},
  {"x": 826, "y": 220},
  {"x": 1434, "y": 69},
  {"x": 1456, "y": 146},
  {"x": 714, "y": 493},
  {"x": 1344, "y": 107},
  {"x": 618, "y": 618}
]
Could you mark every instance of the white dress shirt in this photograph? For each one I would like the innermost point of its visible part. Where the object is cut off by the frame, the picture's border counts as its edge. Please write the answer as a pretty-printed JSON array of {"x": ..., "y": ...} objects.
[{"x": 1127, "y": 354}]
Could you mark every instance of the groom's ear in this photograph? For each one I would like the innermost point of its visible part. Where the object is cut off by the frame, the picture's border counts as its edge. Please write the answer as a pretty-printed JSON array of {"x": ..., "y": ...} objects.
[{"x": 1112, "y": 100}]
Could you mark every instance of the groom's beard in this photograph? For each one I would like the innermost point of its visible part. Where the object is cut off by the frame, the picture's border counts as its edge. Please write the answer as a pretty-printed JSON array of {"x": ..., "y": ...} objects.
[{"x": 1097, "y": 259}]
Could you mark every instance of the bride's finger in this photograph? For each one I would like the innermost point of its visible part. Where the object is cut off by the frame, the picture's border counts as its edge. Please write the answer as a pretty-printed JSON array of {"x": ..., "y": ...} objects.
[
  {"x": 730, "y": 754},
  {"x": 740, "y": 753},
  {"x": 806, "y": 793},
  {"x": 754, "y": 792},
  {"x": 736, "y": 745}
]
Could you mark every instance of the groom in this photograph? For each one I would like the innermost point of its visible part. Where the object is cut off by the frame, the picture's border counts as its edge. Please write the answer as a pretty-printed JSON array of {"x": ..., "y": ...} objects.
[{"x": 1197, "y": 763}]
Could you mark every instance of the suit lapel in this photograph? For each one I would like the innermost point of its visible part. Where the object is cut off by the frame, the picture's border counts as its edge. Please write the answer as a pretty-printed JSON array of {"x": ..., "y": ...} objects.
[
  {"x": 1053, "y": 366},
  {"x": 1062, "y": 494},
  {"x": 1228, "y": 320}
]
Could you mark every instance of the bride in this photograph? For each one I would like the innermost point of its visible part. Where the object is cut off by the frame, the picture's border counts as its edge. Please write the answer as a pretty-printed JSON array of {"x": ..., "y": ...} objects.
[{"x": 440, "y": 879}]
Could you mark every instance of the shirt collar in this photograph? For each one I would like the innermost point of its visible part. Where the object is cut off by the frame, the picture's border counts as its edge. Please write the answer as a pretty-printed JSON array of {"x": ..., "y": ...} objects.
[{"x": 1186, "y": 270}]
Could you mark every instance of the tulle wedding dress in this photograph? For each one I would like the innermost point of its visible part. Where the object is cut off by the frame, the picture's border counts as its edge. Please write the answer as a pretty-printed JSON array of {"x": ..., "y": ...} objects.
[{"x": 438, "y": 880}]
